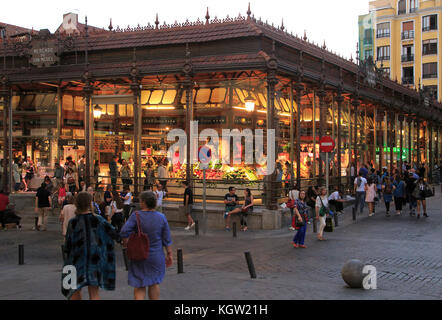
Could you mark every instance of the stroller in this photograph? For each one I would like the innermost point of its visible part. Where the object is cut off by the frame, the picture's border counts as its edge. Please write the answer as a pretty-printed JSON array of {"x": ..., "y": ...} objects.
[{"x": 9, "y": 217}]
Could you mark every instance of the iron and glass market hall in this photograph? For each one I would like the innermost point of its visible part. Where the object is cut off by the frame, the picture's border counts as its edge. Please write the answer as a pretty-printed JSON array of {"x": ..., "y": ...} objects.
[{"x": 97, "y": 92}]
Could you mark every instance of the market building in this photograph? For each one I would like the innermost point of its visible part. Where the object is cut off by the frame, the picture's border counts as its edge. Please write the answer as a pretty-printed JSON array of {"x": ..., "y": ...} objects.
[{"x": 99, "y": 93}]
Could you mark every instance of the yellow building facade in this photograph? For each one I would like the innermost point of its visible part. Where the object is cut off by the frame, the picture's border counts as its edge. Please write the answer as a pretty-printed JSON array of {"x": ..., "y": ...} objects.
[{"x": 407, "y": 41}]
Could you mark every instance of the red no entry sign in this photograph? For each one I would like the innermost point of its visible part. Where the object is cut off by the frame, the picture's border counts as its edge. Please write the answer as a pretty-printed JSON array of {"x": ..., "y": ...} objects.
[{"x": 326, "y": 144}]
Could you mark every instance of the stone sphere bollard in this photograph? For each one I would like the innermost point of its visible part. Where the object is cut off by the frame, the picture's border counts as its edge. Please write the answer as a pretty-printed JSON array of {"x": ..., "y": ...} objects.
[{"x": 352, "y": 273}]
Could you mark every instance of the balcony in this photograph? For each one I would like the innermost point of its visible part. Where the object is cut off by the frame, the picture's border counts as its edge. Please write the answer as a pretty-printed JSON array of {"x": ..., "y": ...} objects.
[
  {"x": 383, "y": 58},
  {"x": 407, "y": 58},
  {"x": 406, "y": 35},
  {"x": 429, "y": 28},
  {"x": 382, "y": 35},
  {"x": 430, "y": 75},
  {"x": 402, "y": 11},
  {"x": 429, "y": 50},
  {"x": 413, "y": 10},
  {"x": 368, "y": 41},
  {"x": 407, "y": 80}
]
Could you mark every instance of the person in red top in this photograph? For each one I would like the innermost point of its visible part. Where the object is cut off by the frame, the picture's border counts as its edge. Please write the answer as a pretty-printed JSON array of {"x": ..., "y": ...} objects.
[{"x": 4, "y": 201}]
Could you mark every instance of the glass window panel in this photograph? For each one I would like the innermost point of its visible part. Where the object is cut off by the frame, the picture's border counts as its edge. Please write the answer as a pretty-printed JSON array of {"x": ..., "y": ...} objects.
[
  {"x": 49, "y": 100},
  {"x": 145, "y": 95},
  {"x": 38, "y": 100},
  {"x": 78, "y": 104},
  {"x": 156, "y": 97},
  {"x": 68, "y": 103},
  {"x": 130, "y": 110},
  {"x": 26, "y": 102},
  {"x": 122, "y": 110},
  {"x": 240, "y": 95},
  {"x": 218, "y": 95},
  {"x": 183, "y": 97},
  {"x": 169, "y": 97},
  {"x": 110, "y": 109},
  {"x": 202, "y": 96},
  {"x": 15, "y": 101},
  {"x": 263, "y": 100}
]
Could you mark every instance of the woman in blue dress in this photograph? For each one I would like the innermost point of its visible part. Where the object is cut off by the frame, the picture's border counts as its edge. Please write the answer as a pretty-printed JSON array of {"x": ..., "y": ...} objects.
[{"x": 150, "y": 272}]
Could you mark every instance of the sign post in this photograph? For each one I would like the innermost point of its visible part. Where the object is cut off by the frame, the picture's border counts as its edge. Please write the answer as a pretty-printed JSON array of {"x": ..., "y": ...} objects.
[
  {"x": 327, "y": 145},
  {"x": 204, "y": 157}
]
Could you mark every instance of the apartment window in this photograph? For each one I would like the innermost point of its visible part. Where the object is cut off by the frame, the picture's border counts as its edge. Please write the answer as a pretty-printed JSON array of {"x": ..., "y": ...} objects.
[
  {"x": 432, "y": 91},
  {"x": 414, "y": 4},
  {"x": 429, "y": 23},
  {"x": 368, "y": 54},
  {"x": 383, "y": 30},
  {"x": 408, "y": 30},
  {"x": 408, "y": 75},
  {"x": 402, "y": 7},
  {"x": 368, "y": 38},
  {"x": 429, "y": 46},
  {"x": 386, "y": 71},
  {"x": 408, "y": 53},
  {"x": 429, "y": 70},
  {"x": 383, "y": 53}
]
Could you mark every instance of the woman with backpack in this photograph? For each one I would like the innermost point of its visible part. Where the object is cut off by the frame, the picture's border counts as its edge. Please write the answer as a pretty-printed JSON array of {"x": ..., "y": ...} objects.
[
  {"x": 370, "y": 194},
  {"x": 150, "y": 271},
  {"x": 387, "y": 189},
  {"x": 420, "y": 194}
]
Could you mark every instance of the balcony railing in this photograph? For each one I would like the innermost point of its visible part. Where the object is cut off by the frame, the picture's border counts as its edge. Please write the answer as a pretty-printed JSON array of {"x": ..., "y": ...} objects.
[
  {"x": 383, "y": 58},
  {"x": 429, "y": 75},
  {"x": 407, "y": 58},
  {"x": 402, "y": 11},
  {"x": 368, "y": 41},
  {"x": 407, "y": 80},
  {"x": 429, "y": 28},
  {"x": 428, "y": 51},
  {"x": 407, "y": 35},
  {"x": 412, "y": 10},
  {"x": 383, "y": 34}
]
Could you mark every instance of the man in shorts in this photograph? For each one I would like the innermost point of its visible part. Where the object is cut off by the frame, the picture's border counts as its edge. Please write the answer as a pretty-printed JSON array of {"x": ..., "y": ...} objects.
[
  {"x": 231, "y": 202},
  {"x": 188, "y": 205}
]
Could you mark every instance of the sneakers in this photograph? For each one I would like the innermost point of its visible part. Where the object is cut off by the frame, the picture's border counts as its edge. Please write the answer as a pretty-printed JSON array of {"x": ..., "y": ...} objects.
[
  {"x": 302, "y": 246},
  {"x": 295, "y": 245},
  {"x": 292, "y": 229},
  {"x": 371, "y": 214},
  {"x": 190, "y": 227},
  {"x": 227, "y": 229},
  {"x": 398, "y": 213},
  {"x": 187, "y": 228}
]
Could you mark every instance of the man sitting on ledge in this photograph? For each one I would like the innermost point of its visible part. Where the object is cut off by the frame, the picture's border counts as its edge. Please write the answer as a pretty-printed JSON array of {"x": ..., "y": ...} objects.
[{"x": 231, "y": 202}]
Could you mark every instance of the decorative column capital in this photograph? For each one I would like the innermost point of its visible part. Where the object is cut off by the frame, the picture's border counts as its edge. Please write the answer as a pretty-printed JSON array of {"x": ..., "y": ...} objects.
[{"x": 339, "y": 98}]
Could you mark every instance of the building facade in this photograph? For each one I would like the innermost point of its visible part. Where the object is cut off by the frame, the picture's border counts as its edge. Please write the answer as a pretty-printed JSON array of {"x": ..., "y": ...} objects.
[
  {"x": 407, "y": 42},
  {"x": 101, "y": 93}
]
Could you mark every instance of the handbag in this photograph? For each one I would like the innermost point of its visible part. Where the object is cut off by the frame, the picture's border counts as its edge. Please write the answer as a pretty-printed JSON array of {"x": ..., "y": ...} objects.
[
  {"x": 138, "y": 244},
  {"x": 323, "y": 210},
  {"x": 428, "y": 192},
  {"x": 290, "y": 203},
  {"x": 328, "y": 225}
]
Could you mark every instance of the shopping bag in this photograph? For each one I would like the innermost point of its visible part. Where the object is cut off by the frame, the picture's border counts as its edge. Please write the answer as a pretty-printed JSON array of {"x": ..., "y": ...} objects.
[{"x": 328, "y": 225}]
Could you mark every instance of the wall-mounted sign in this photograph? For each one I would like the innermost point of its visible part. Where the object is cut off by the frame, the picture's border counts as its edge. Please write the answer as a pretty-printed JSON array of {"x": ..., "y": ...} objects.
[
  {"x": 159, "y": 120},
  {"x": 73, "y": 123},
  {"x": 70, "y": 143},
  {"x": 41, "y": 123},
  {"x": 211, "y": 120},
  {"x": 104, "y": 126},
  {"x": 39, "y": 132},
  {"x": 43, "y": 53}
]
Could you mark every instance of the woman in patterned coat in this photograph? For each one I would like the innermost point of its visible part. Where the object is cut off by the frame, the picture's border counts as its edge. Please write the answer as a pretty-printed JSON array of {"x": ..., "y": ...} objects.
[{"x": 89, "y": 247}]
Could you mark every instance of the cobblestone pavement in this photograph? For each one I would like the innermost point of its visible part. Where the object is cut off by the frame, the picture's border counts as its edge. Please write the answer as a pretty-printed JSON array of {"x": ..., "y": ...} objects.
[{"x": 406, "y": 252}]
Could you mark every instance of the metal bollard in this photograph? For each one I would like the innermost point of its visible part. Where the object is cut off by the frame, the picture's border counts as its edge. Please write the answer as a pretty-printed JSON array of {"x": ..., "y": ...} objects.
[
  {"x": 21, "y": 254},
  {"x": 126, "y": 260},
  {"x": 354, "y": 213},
  {"x": 197, "y": 228},
  {"x": 179, "y": 255},
  {"x": 335, "y": 216},
  {"x": 234, "y": 229},
  {"x": 250, "y": 265}
]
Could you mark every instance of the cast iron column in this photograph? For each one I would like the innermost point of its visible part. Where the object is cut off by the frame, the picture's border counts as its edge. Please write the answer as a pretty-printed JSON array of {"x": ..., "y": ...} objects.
[
  {"x": 299, "y": 92},
  {"x": 410, "y": 155},
  {"x": 339, "y": 99},
  {"x": 135, "y": 87},
  {"x": 271, "y": 186},
  {"x": 380, "y": 118},
  {"x": 401, "y": 152},
  {"x": 418, "y": 132},
  {"x": 322, "y": 128},
  {"x": 292, "y": 135},
  {"x": 188, "y": 87},
  {"x": 392, "y": 140},
  {"x": 430, "y": 148},
  {"x": 5, "y": 93},
  {"x": 88, "y": 119},
  {"x": 356, "y": 104}
]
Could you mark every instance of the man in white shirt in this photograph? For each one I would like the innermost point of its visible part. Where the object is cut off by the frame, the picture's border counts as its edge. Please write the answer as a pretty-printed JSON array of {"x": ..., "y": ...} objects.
[
  {"x": 335, "y": 199},
  {"x": 360, "y": 183}
]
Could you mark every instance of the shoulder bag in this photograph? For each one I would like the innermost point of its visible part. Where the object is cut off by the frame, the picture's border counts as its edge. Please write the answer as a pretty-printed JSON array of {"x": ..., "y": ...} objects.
[{"x": 138, "y": 244}]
